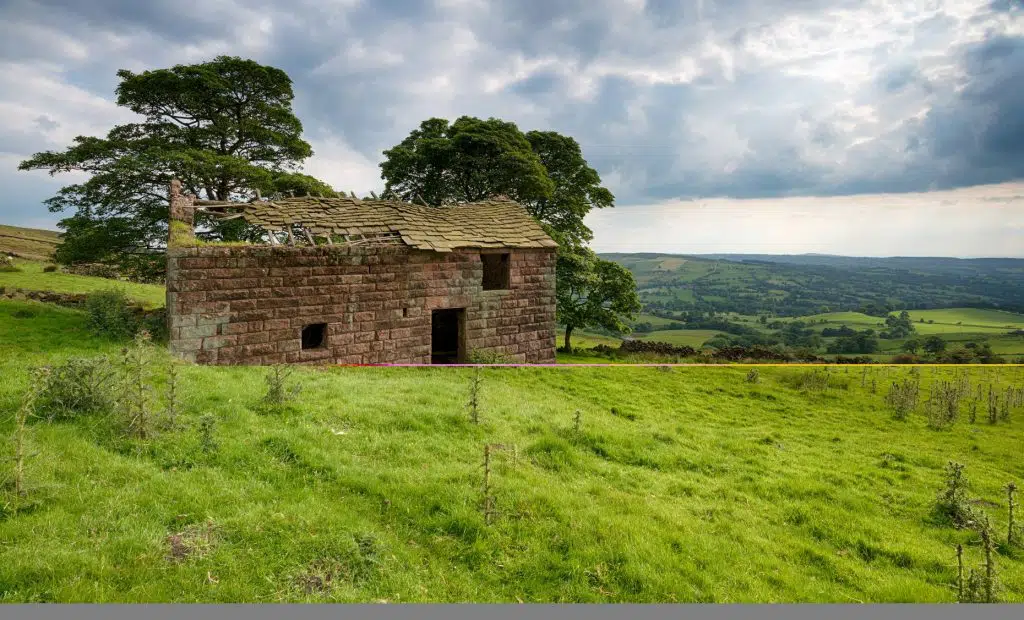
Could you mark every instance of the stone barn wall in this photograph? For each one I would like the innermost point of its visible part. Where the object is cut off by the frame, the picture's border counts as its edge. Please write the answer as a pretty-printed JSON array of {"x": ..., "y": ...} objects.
[{"x": 248, "y": 304}]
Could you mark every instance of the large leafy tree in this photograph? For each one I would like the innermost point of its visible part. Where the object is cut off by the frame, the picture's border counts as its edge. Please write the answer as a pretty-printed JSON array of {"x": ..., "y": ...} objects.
[
  {"x": 934, "y": 345},
  {"x": 593, "y": 292},
  {"x": 224, "y": 127},
  {"x": 472, "y": 159}
]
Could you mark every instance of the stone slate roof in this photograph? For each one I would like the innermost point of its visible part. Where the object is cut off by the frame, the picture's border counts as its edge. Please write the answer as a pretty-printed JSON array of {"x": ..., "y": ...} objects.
[{"x": 496, "y": 223}]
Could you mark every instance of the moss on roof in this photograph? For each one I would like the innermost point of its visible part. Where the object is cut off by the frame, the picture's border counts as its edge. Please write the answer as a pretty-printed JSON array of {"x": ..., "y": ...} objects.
[{"x": 497, "y": 223}]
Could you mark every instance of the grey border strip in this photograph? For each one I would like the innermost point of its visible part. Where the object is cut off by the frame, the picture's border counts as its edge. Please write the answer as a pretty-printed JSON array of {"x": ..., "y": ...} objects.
[{"x": 588, "y": 612}]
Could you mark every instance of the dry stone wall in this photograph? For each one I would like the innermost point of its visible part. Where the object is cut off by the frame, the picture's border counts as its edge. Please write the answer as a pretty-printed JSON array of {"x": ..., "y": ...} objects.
[{"x": 248, "y": 304}]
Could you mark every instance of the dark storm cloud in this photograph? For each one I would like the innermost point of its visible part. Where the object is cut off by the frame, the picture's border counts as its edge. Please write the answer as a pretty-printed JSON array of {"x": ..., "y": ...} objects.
[
  {"x": 979, "y": 133},
  {"x": 740, "y": 98},
  {"x": 171, "y": 19}
]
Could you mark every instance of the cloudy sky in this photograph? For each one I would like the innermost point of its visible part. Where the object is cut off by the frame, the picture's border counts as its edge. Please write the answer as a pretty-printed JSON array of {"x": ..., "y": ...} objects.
[{"x": 769, "y": 126}]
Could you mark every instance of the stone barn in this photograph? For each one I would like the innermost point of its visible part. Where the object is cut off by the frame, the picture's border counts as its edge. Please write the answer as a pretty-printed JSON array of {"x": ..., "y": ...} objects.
[{"x": 350, "y": 281}]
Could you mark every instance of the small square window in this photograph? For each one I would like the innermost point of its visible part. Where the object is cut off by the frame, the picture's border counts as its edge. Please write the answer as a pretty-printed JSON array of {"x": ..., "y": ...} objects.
[
  {"x": 496, "y": 271},
  {"x": 314, "y": 336}
]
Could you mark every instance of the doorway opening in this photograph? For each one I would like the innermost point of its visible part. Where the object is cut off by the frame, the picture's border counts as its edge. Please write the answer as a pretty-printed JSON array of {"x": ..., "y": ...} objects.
[{"x": 447, "y": 338}]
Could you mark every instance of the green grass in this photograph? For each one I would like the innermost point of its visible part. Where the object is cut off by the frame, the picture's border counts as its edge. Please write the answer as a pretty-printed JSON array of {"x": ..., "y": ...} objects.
[
  {"x": 32, "y": 277},
  {"x": 801, "y": 285},
  {"x": 957, "y": 326},
  {"x": 971, "y": 317},
  {"x": 855, "y": 320},
  {"x": 682, "y": 485},
  {"x": 585, "y": 339},
  {"x": 680, "y": 337},
  {"x": 657, "y": 321},
  {"x": 30, "y": 243}
]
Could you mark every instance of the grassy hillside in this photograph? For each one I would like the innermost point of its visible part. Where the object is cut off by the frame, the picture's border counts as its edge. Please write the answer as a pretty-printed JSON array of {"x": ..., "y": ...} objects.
[
  {"x": 30, "y": 243},
  {"x": 689, "y": 484},
  {"x": 680, "y": 337},
  {"x": 802, "y": 285},
  {"x": 32, "y": 277},
  {"x": 957, "y": 326}
]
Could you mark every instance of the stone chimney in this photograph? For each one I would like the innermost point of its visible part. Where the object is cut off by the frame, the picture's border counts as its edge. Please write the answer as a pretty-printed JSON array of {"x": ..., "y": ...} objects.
[{"x": 182, "y": 222}]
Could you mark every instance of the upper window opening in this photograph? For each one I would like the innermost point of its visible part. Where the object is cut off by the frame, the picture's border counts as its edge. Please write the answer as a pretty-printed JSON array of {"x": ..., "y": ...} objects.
[{"x": 496, "y": 271}]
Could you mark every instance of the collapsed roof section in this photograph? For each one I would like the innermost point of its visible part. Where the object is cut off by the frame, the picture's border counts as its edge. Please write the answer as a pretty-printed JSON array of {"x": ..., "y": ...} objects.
[{"x": 496, "y": 223}]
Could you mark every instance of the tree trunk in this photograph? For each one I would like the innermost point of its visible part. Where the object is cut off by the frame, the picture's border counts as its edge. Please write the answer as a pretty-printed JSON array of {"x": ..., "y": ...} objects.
[{"x": 568, "y": 336}]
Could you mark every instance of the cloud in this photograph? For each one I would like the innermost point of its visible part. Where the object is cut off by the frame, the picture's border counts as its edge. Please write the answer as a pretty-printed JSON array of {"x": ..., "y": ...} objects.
[
  {"x": 984, "y": 221},
  {"x": 669, "y": 99}
]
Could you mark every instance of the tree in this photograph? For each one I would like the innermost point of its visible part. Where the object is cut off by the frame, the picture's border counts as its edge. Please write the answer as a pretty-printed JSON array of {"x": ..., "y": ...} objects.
[
  {"x": 593, "y": 292},
  {"x": 471, "y": 160},
  {"x": 862, "y": 342},
  {"x": 985, "y": 354},
  {"x": 224, "y": 128},
  {"x": 898, "y": 326},
  {"x": 934, "y": 345},
  {"x": 911, "y": 346}
]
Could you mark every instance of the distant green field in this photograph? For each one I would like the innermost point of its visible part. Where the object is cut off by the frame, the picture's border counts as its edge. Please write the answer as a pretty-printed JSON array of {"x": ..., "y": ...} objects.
[
  {"x": 977, "y": 326},
  {"x": 947, "y": 321},
  {"x": 586, "y": 339},
  {"x": 680, "y": 337},
  {"x": 654, "y": 320},
  {"x": 32, "y": 277},
  {"x": 800, "y": 286},
  {"x": 852, "y": 319},
  {"x": 971, "y": 317}
]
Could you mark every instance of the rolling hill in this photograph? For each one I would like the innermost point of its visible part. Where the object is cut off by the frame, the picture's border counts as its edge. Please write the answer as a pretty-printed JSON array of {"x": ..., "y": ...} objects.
[
  {"x": 29, "y": 243},
  {"x": 812, "y": 284}
]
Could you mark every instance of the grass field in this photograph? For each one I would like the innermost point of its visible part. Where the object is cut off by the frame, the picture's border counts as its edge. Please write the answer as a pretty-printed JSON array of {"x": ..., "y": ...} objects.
[
  {"x": 657, "y": 321},
  {"x": 680, "y": 337},
  {"x": 802, "y": 285},
  {"x": 687, "y": 484},
  {"x": 29, "y": 243},
  {"x": 957, "y": 326},
  {"x": 32, "y": 277}
]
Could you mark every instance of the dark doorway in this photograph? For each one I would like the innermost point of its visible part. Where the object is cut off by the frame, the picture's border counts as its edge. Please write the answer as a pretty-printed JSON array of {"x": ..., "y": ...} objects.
[{"x": 447, "y": 329}]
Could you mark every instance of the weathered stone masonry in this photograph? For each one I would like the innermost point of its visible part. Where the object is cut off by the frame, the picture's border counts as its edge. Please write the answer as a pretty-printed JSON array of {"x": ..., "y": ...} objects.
[{"x": 249, "y": 304}]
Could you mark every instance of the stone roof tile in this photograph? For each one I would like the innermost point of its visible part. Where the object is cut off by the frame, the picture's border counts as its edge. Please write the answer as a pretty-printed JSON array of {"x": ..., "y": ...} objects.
[{"x": 494, "y": 223}]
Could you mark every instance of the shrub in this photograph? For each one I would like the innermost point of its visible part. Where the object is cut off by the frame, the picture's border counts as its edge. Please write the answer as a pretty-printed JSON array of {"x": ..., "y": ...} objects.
[
  {"x": 78, "y": 387},
  {"x": 943, "y": 405},
  {"x": 96, "y": 270},
  {"x": 650, "y": 346},
  {"x": 155, "y": 323},
  {"x": 816, "y": 380},
  {"x": 278, "y": 391},
  {"x": 207, "y": 425},
  {"x": 134, "y": 391},
  {"x": 952, "y": 501},
  {"x": 902, "y": 397},
  {"x": 7, "y": 264},
  {"x": 111, "y": 314},
  {"x": 487, "y": 357}
]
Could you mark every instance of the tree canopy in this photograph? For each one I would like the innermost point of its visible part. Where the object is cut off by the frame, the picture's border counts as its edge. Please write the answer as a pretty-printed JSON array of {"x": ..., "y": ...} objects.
[
  {"x": 471, "y": 160},
  {"x": 934, "y": 345},
  {"x": 224, "y": 128}
]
